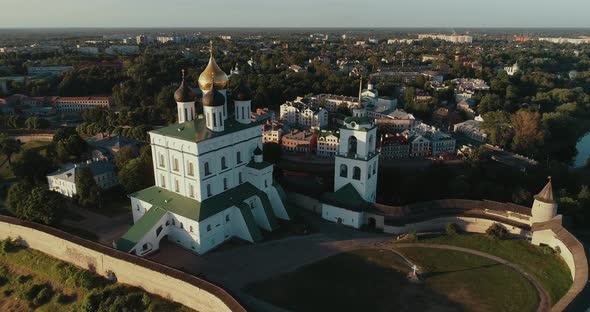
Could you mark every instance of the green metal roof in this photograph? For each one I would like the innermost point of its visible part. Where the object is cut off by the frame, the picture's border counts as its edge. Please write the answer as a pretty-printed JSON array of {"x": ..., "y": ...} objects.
[
  {"x": 140, "y": 228},
  {"x": 346, "y": 197},
  {"x": 260, "y": 165},
  {"x": 196, "y": 130},
  {"x": 192, "y": 208},
  {"x": 358, "y": 120}
]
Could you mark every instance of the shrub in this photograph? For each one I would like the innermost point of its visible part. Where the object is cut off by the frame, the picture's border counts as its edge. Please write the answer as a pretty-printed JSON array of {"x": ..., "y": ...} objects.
[
  {"x": 44, "y": 296},
  {"x": 412, "y": 236},
  {"x": 497, "y": 231},
  {"x": 452, "y": 229},
  {"x": 7, "y": 292},
  {"x": 8, "y": 245},
  {"x": 92, "y": 301}
]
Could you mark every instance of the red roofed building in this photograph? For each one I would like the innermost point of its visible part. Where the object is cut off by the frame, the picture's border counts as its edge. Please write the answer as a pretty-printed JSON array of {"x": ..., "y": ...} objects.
[{"x": 395, "y": 146}]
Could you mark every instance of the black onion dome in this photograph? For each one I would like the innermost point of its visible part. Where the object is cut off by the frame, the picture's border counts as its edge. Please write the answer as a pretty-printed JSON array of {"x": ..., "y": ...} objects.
[
  {"x": 213, "y": 98},
  {"x": 184, "y": 93},
  {"x": 242, "y": 92},
  {"x": 257, "y": 151}
]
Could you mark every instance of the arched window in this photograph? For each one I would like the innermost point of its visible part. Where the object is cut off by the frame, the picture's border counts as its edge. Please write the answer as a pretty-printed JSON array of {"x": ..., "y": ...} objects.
[
  {"x": 214, "y": 120},
  {"x": 375, "y": 168},
  {"x": 369, "y": 172},
  {"x": 191, "y": 169},
  {"x": 225, "y": 183},
  {"x": 191, "y": 228},
  {"x": 181, "y": 225},
  {"x": 352, "y": 143},
  {"x": 356, "y": 173},
  {"x": 371, "y": 143},
  {"x": 208, "y": 227},
  {"x": 239, "y": 157},
  {"x": 161, "y": 160},
  {"x": 223, "y": 164},
  {"x": 227, "y": 218},
  {"x": 343, "y": 171},
  {"x": 240, "y": 177},
  {"x": 207, "y": 171},
  {"x": 176, "y": 186},
  {"x": 162, "y": 181},
  {"x": 265, "y": 183},
  {"x": 208, "y": 190}
]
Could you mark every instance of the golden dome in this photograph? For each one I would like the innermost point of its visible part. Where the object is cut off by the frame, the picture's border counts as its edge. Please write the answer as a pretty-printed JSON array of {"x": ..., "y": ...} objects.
[{"x": 213, "y": 73}]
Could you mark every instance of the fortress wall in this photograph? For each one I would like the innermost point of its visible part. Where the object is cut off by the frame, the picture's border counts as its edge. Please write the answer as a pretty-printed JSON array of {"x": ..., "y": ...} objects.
[
  {"x": 305, "y": 202},
  {"x": 128, "y": 269},
  {"x": 468, "y": 224}
]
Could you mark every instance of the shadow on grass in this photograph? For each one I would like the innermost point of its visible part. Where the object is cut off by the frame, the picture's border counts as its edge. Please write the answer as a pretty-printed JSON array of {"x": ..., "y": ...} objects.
[{"x": 363, "y": 280}]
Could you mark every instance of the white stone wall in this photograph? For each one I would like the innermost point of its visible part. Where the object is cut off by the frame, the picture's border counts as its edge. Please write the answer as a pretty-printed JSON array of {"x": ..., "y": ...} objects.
[
  {"x": 342, "y": 216},
  {"x": 547, "y": 237},
  {"x": 277, "y": 204},
  {"x": 152, "y": 281},
  {"x": 468, "y": 224}
]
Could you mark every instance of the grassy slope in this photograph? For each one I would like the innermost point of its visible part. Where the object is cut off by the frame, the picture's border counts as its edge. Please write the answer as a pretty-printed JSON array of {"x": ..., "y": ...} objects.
[
  {"x": 375, "y": 280},
  {"x": 40, "y": 268},
  {"x": 477, "y": 283},
  {"x": 548, "y": 269}
]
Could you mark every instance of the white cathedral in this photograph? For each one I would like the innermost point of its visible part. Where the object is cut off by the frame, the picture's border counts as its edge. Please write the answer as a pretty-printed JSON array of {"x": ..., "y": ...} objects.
[{"x": 211, "y": 181}]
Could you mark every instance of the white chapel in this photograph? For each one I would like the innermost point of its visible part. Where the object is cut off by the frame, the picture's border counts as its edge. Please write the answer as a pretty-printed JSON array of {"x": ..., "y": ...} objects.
[{"x": 211, "y": 181}]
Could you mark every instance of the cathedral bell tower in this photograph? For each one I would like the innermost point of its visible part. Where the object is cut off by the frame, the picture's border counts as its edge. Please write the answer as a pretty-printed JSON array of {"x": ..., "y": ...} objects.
[{"x": 357, "y": 161}]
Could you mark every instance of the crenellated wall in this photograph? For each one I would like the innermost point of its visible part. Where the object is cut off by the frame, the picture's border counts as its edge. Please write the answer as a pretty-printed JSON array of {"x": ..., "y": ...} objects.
[{"x": 153, "y": 277}]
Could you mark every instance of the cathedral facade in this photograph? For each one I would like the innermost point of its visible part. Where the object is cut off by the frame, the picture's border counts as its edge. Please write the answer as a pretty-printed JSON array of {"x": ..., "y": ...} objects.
[{"x": 211, "y": 183}]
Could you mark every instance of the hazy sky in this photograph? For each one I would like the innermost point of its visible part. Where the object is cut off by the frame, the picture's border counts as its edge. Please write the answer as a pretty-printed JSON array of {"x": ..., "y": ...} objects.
[{"x": 294, "y": 13}]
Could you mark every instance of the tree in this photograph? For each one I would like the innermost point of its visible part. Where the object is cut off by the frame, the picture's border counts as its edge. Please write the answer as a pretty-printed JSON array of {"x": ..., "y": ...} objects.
[
  {"x": 489, "y": 103},
  {"x": 137, "y": 173},
  {"x": 8, "y": 147},
  {"x": 36, "y": 123},
  {"x": 31, "y": 166},
  {"x": 42, "y": 205},
  {"x": 124, "y": 155},
  {"x": 87, "y": 191},
  {"x": 497, "y": 125},
  {"x": 527, "y": 132},
  {"x": 17, "y": 195},
  {"x": 497, "y": 231}
]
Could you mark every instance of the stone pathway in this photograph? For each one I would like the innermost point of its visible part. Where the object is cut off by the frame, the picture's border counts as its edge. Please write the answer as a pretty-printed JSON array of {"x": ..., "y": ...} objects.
[{"x": 106, "y": 228}]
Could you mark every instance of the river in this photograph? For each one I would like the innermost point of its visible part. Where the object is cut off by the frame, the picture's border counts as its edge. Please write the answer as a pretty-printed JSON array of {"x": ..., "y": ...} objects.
[{"x": 583, "y": 148}]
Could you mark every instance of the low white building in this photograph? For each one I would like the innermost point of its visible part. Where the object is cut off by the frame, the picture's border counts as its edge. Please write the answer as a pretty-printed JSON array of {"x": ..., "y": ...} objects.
[
  {"x": 63, "y": 180},
  {"x": 471, "y": 129}
]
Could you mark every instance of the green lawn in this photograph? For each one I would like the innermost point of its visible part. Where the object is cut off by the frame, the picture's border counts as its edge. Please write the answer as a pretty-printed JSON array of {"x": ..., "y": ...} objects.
[
  {"x": 375, "y": 280},
  {"x": 547, "y": 268},
  {"x": 23, "y": 272}
]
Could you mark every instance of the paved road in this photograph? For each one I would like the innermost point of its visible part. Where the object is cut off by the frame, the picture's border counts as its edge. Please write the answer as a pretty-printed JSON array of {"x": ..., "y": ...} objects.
[
  {"x": 237, "y": 267},
  {"x": 544, "y": 299},
  {"x": 106, "y": 228}
]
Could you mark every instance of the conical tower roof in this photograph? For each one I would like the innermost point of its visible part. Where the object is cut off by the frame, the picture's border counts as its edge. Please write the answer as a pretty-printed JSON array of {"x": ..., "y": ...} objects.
[{"x": 546, "y": 194}]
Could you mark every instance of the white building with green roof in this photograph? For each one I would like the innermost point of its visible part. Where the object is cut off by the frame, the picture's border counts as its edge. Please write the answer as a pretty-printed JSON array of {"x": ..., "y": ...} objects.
[
  {"x": 355, "y": 175},
  {"x": 211, "y": 182}
]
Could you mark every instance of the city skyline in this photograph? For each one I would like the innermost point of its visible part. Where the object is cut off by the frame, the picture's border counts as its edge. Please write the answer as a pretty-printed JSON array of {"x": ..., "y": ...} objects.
[{"x": 300, "y": 14}]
